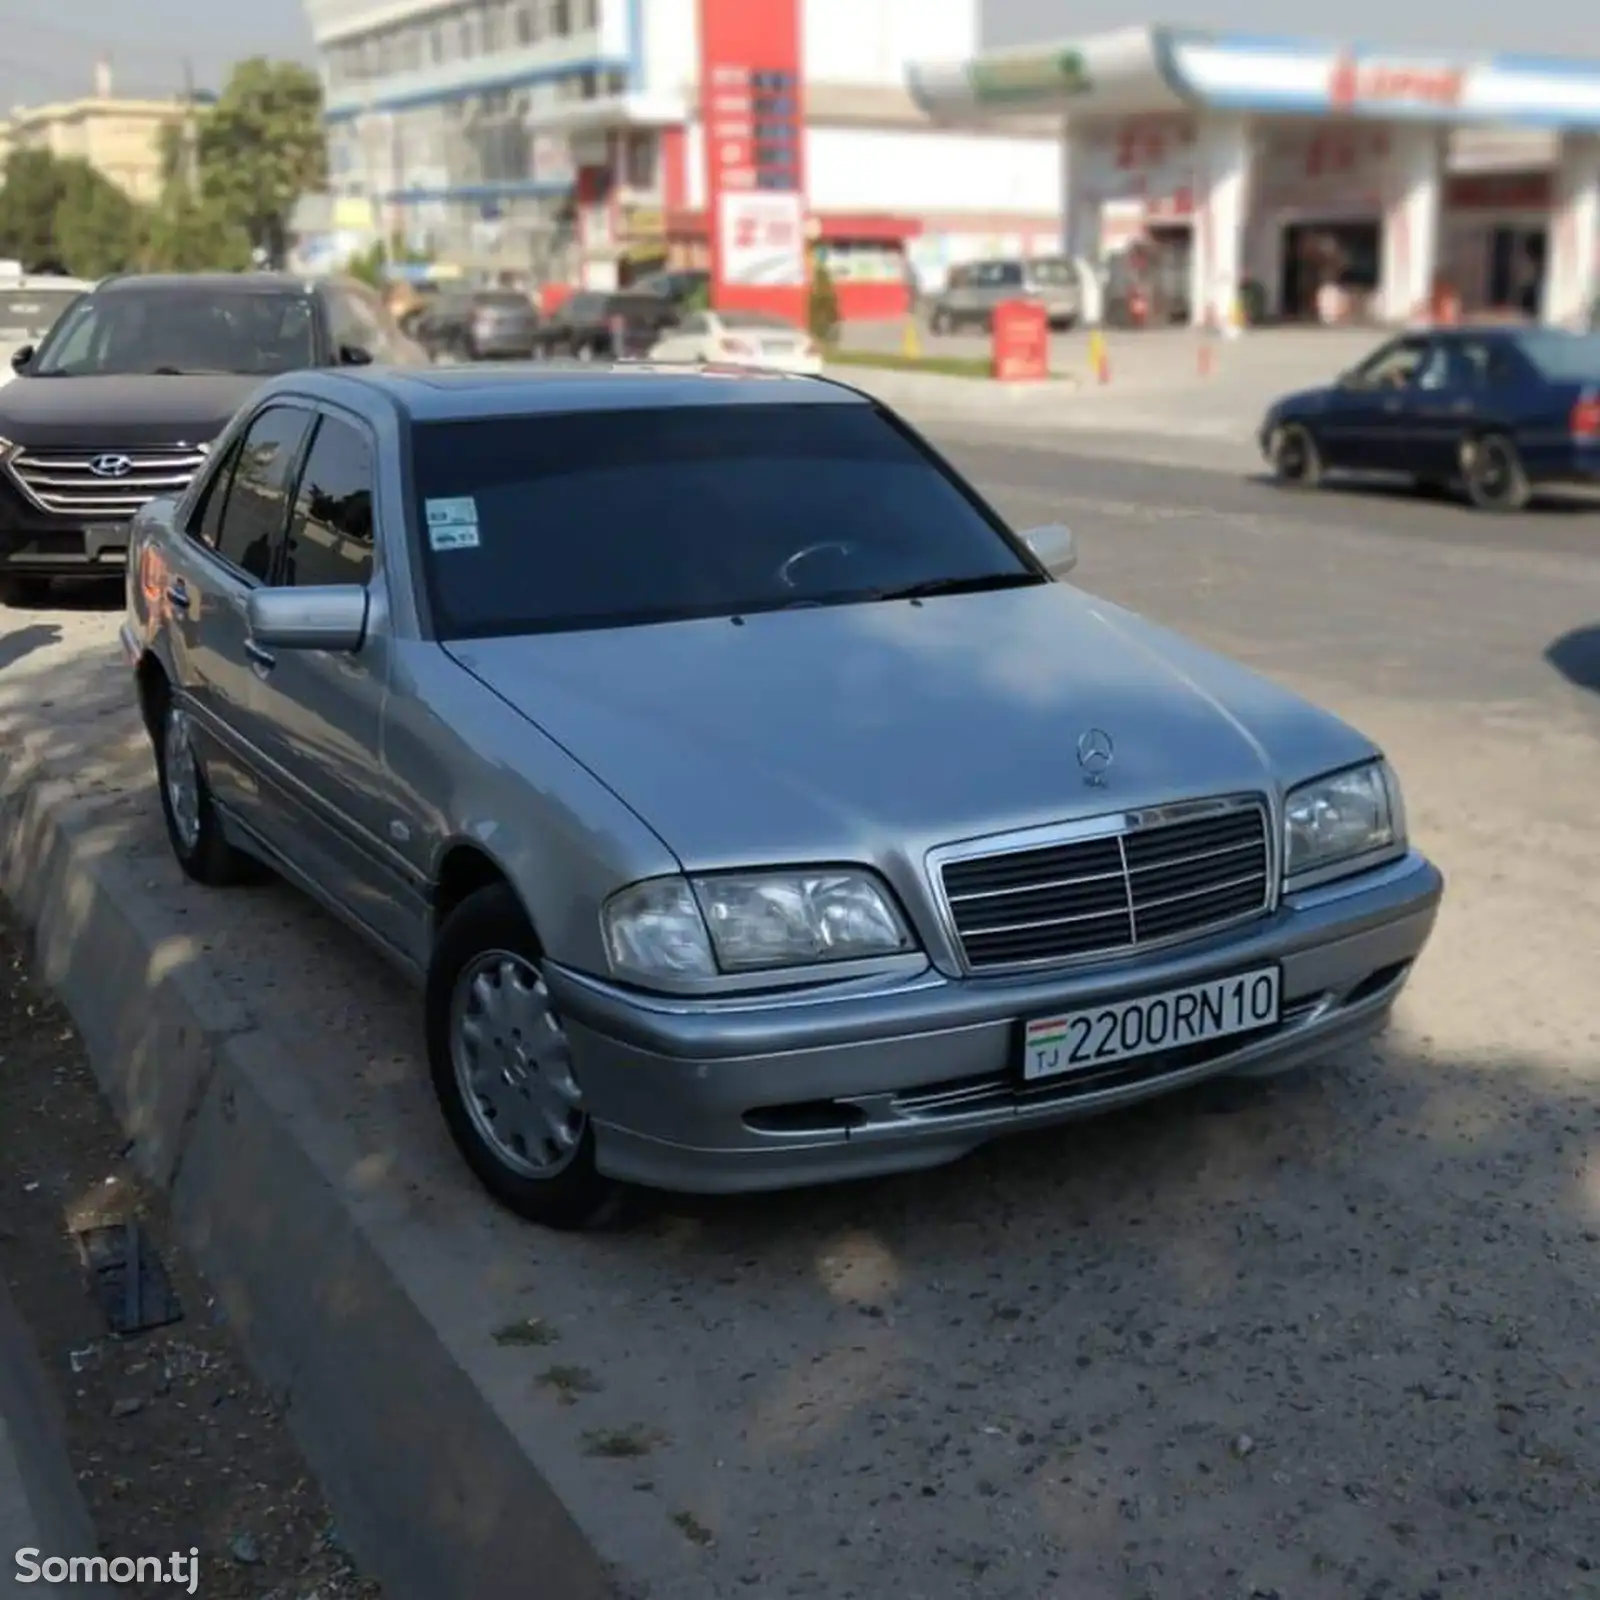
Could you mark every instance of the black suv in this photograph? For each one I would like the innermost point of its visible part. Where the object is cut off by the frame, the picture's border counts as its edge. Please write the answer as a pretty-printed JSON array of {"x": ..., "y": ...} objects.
[{"x": 123, "y": 397}]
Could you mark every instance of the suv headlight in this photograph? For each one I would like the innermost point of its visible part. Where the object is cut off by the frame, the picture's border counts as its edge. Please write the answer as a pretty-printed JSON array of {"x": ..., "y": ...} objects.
[
  {"x": 1347, "y": 817},
  {"x": 690, "y": 928}
]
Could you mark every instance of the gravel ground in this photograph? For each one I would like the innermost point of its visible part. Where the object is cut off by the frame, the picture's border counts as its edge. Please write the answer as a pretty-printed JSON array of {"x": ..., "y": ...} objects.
[{"x": 175, "y": 1445}]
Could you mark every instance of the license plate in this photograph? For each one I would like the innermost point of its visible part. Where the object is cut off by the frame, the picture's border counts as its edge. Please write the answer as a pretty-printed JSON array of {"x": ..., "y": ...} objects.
[{"x": 1073, "y": 1041}]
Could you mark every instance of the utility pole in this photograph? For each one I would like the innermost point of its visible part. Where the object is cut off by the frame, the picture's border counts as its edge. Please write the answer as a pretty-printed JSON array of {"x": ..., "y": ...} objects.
[{"x": 191, "y": 134}]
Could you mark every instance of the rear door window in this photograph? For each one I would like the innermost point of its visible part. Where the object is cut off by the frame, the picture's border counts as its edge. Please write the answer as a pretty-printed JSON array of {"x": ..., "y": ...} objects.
[{"x": 331, "y": 533}]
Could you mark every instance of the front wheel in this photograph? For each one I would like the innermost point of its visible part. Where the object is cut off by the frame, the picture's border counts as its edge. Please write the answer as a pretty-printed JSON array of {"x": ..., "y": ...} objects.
[
  {"x": 939, "y": 323},
  {"x": 502, "y": 1069},
  {"x": 1493, "y": 473},
  {"x": 1296, "y": 461}
]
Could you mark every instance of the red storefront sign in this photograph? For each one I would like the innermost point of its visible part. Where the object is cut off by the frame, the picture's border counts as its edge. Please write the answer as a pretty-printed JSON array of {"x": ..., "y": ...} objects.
[
  {"x": 1354, "y": 83},
  {"x": 1021, "y": 349},
  {"x": 752, "y": 108},
  {"x": 1499, "y": 191}
]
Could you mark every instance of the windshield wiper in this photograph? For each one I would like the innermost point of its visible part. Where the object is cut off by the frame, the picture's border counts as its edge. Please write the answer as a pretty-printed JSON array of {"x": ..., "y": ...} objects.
[{"x": 933, "y": 586}]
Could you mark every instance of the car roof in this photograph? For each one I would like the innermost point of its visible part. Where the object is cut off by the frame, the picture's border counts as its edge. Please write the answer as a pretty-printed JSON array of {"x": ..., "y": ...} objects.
[
  {"x": 179, "y": 282},
  {"x": 466, "y": 393}
]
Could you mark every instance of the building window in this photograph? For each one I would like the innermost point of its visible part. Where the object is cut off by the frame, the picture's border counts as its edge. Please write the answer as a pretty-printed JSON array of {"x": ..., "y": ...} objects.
[
  {"x": 588, "y": 16},
  {"x": 494, "y": 27},
  {"x": 560, "y": 18},
  {"x": 641, "y": 166}
]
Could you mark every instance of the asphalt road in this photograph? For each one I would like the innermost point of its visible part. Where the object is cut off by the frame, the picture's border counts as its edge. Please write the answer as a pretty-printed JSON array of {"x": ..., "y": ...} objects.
[{"x": 1328, "y": 1338}]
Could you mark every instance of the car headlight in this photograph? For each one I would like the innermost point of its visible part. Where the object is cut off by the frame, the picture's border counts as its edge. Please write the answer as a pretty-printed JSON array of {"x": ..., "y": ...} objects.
[
  {"x": 1342, "y": 818},
  {"x": 682, "y": 928}
]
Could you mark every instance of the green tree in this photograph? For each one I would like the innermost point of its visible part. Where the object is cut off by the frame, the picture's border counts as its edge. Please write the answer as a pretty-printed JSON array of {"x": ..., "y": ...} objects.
[
  {"x": 98, "y": 228},
  {"x": 822, "y": 304},
  {"x": 260, "y": 147},
  {"x": 28, "y": 205},
  {"x": 367, "y": 265},
  {"x": 188, "y": 233},
  {"x": 63, "y": 213}
]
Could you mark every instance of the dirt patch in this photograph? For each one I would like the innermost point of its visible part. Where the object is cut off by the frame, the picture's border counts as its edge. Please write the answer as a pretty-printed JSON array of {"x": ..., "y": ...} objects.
[{"x": 175, "y": 1444}]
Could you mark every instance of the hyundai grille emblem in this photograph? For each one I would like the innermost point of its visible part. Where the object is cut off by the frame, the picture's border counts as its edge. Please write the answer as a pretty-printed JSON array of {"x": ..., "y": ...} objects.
[
  {"x": 111, "y": 466},
  {"x": 1095, "y": 754}
]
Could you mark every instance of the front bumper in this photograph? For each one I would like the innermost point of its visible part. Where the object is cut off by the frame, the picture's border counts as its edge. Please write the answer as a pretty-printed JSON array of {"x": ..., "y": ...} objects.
[
  {"x": 36, "y": 543},
  {"x": 752, "y": 1094}
]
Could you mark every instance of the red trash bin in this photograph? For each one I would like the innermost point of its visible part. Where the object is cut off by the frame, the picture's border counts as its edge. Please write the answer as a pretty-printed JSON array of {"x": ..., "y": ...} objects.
[{"x": 1021, "y": 342}]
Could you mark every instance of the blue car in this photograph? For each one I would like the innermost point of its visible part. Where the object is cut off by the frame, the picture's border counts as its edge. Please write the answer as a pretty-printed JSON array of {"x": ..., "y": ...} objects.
[{"x": 1493, "y": 412}]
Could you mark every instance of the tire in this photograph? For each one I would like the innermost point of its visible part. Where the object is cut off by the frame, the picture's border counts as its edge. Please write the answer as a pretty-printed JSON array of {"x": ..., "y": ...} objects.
[
  {"x": 487, "y": 951},
  {"x": 194, "y": 829},
  {"x": 23, "y": 590},
  {"x": 939, "y": 323},
  {"x": 1493, "y": 474},
  {"x": 1296, "y": 460}
]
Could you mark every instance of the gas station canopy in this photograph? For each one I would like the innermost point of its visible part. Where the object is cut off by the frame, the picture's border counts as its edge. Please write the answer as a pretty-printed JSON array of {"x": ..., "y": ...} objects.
[{"x": 1133, "y": 71}]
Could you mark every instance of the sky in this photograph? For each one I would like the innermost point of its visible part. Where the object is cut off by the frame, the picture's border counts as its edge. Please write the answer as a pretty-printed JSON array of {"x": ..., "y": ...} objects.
[{"x": 48, "y": 47}]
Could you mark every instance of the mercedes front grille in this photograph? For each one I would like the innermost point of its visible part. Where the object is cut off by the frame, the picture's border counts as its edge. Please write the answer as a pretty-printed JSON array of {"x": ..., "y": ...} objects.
[
  {"x": 1146, "y": 878},
  {"x": 103, "y": 485}
]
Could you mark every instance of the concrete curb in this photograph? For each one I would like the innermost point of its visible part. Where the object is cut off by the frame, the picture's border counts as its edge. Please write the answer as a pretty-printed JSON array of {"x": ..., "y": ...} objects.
[
  {"x": 41, "y": 1507},
  {"x": 434, "y": 1495}
]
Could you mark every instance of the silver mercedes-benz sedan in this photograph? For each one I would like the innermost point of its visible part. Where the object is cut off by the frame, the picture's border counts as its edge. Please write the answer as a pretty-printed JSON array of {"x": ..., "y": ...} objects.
[{"x": 754, "y": 805}]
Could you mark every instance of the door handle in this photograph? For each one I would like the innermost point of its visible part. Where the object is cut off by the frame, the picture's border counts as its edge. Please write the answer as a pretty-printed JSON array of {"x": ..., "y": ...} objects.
[
  {"x": 1391, "y": 405},
  {"x": 178, "y": 594},
  {"x": 1461, "y": 406},
  {"x": 261, "y": 659}
]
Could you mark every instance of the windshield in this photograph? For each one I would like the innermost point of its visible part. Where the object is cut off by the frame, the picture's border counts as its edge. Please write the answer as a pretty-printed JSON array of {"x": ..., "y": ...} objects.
[
  {"x": 603, "y": 519},
  {"x": 1052, "y": 271},
  {"x": 241, "y": 331},
  {"x": 1563, "y": 357},
  {"x": 27, "y": 314}
]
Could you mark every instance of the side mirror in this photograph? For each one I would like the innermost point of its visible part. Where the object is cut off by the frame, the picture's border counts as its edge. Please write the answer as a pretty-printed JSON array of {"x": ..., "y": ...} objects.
[
  {"x": 354, "y": 355},
  {"x": 328, "y": 618},
  {"x": 1053, "y": 547},
  {"x": 21, "y": 356}
]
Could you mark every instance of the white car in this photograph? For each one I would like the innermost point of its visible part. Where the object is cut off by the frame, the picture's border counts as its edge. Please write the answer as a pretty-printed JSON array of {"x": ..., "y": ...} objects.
[
  {"x": 29, "y": 306},
  {"x": 741, "y": 339}
]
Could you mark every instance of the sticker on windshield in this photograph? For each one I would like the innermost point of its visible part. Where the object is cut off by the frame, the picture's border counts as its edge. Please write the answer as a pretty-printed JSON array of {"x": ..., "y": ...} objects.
[
  {"x": 457, "y": 513},
  {"x": 452, "y": 524}
]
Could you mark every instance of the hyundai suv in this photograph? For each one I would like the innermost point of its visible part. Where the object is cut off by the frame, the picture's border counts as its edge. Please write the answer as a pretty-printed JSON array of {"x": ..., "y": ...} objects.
[{"x": 120, "y": 401}]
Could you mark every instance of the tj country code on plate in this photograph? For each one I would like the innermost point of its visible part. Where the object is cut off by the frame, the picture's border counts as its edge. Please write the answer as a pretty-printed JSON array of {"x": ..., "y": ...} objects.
[{"x": 1095, "y": 1035}]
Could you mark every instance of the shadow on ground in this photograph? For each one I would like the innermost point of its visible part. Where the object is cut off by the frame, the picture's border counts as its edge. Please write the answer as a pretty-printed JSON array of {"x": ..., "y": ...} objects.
[
  {"x": 15, "y": 643},
  {"x": 1576, "y": 656}
]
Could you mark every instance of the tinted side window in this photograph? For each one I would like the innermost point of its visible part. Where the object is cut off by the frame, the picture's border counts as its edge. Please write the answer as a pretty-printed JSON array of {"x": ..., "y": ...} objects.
[
  {"x": 330, "y": 538},
  {"x": 257, "y": 512},
  {"x": 206, "y": 517}
]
